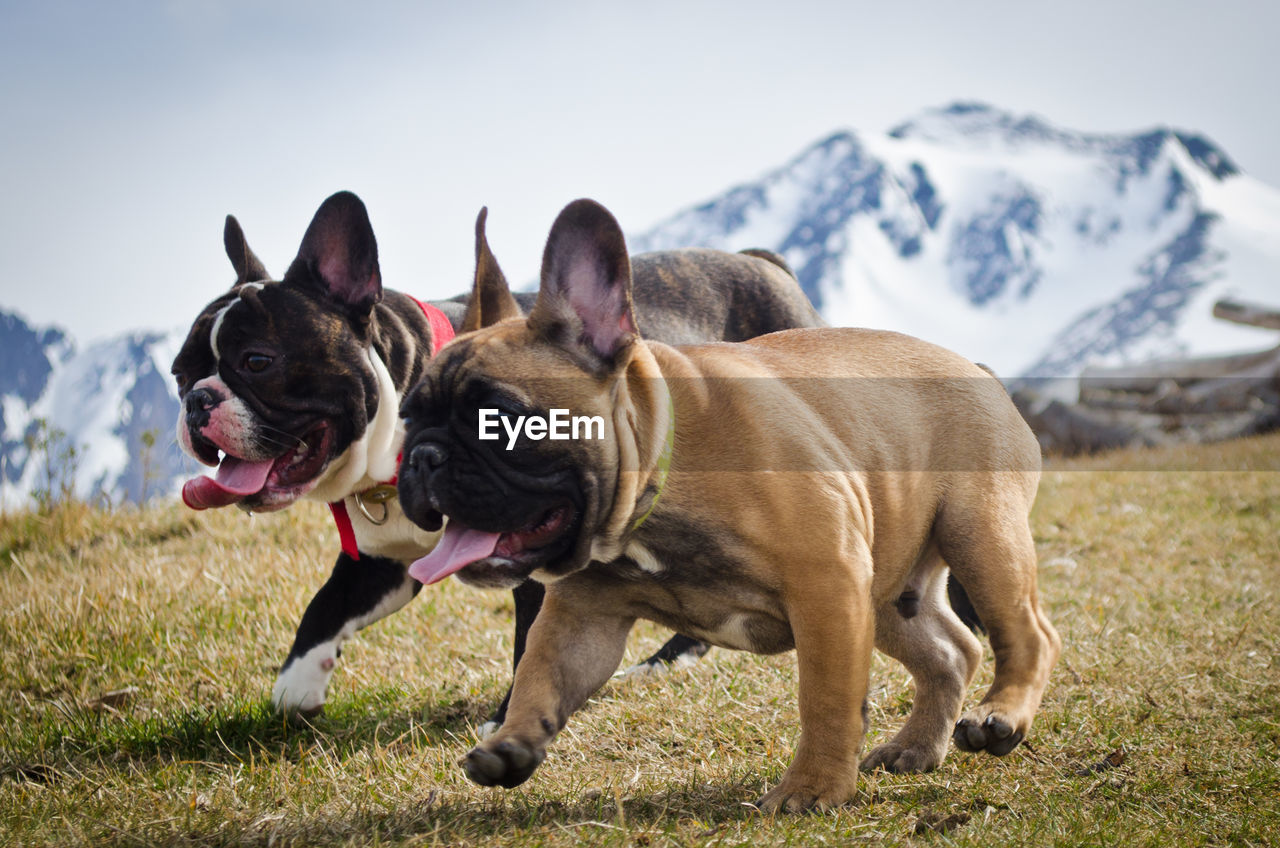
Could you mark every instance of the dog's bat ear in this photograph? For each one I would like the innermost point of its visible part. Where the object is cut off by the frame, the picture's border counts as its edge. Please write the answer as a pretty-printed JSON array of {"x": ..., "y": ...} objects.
[
  {"x": 586, "y": 280},
  {"x": 491, "y": 299},
  {"x": 339, "y": 255},
  {"x": 249, "y": 268}
]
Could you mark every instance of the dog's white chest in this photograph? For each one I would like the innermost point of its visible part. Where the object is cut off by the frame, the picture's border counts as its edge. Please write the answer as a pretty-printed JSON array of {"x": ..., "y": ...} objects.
[{"x": 396, "y": 537}]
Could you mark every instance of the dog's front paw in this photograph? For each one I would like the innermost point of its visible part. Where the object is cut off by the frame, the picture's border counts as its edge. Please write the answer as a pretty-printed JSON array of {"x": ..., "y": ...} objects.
[
  {"x": 680, "y": 652},
  {"x": 506, "y": 763},
  {"x": 303, "y": 682},
  {"x": 657, "y": 667},
  {"x": 796, "y": 794},
  {"x": 902, "y": 759},
  {"x": 992, "y": 733}
]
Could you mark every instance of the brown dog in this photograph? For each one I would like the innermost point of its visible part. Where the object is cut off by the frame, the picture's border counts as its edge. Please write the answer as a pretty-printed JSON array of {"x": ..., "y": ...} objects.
[{"x": 807, "y": 489}]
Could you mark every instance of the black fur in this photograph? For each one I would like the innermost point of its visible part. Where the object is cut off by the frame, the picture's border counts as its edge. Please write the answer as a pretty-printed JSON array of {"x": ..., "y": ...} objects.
[{"x": 352, "y": 590}]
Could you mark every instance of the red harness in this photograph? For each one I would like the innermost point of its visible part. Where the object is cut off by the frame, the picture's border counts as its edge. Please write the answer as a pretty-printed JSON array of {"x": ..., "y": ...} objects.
[{"x": 441, "y": 334}]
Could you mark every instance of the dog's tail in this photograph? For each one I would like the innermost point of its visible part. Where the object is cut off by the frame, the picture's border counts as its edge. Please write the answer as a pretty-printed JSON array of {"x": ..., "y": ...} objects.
[{"x": 768, "y": 256}]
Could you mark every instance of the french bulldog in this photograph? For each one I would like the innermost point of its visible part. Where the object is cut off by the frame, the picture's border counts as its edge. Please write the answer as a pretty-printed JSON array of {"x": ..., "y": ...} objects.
[
  {"x": 806, "y": 490},
  {"x": 291, "y": 388}
]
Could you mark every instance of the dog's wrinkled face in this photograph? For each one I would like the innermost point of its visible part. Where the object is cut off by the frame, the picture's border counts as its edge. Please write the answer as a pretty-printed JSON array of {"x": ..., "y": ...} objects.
[
  {"x": 516, "y": 504},
  {"x": 275, "y": 378},
  {"x": 526, "y": 502}
]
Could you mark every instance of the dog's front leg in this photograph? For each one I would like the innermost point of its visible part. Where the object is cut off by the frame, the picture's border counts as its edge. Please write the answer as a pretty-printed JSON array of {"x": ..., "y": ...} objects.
[
  {"x": 834, "y": 628},
  {"x": 572, "y": 651},
  {"x": 528, "y": 600},
  {"x": 355, "y": 595},
  {"x": 678, "y": 651}
]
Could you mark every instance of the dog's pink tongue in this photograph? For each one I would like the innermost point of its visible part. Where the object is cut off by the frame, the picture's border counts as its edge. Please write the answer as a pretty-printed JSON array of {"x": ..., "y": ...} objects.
[
  {"x": 458, "y": 547},
  {"x": 235, "y": 481}
]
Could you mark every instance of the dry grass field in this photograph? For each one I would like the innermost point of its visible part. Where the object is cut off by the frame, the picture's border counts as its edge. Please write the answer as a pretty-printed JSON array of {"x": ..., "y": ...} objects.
[{"x": 138, "y": 649}]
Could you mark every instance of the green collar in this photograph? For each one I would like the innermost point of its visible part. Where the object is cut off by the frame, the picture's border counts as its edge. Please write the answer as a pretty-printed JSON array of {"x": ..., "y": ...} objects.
[{"x": 664, "y": 461}]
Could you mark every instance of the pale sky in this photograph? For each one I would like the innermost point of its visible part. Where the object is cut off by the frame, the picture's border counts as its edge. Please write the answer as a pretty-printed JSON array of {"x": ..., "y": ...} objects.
[{"x": 131, "y": 128}]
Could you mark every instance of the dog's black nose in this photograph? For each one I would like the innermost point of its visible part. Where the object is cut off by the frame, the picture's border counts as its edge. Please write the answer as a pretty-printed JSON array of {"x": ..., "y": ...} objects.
[
  {"x": 197, "y": 405},
  {"x": 200, "y": 399},
  {"x": 428, "y": 456}
]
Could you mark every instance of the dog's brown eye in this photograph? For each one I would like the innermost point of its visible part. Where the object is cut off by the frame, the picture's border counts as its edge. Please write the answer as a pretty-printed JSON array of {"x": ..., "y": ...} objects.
[{"x": 256, "y": 362}]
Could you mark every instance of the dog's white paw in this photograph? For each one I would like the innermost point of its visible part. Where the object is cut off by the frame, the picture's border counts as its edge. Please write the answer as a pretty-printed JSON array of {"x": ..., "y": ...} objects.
[
  {"x": 487, "y": 729},
  {"x": 631, "y": 671},
  {"x": 646, "y": 669},
  {"x": 302, "y": 684},
  {"x": 640, "y": 670}
]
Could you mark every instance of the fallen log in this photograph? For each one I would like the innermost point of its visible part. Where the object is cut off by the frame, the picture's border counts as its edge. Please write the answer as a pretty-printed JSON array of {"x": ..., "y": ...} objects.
[
  {"x": 1251, "y": 389},
  {"x": 1222, "y": 427},
  {"x": 1238, "y": 393},
  {"x": 1200, "y": 399},
  {"x": 1249, "y": 314},
  {"x": 1070, "y": 430},
  {"x": 1151, "y": 377}
]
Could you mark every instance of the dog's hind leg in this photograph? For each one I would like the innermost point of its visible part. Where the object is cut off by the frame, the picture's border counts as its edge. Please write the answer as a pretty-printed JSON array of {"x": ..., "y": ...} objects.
[
  {"x": 919, "y": 629},
  {"x": 983, "y": 534},
  {"x": 355, "y": 595}
]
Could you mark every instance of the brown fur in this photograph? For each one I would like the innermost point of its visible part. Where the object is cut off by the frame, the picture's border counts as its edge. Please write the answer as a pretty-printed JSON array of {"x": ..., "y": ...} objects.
[{"x": 817, "y": 477}]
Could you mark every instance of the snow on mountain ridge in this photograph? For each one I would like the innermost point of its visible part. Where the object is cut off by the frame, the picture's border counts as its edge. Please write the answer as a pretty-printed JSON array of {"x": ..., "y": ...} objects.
[
  {"x": 980, "y": 126},
  {"x": 1035, "y": 249}
]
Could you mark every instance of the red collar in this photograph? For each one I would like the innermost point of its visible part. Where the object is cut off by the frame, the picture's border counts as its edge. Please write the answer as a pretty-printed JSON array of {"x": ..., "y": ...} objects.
[
  {"x": 441, "y": 329},
  {"x": 441, "y": 334}
]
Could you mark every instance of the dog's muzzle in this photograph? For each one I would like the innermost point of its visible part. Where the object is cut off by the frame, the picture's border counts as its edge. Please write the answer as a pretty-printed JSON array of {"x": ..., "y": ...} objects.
[
  {"x": 197, "y": 405},
  {"x": 421, "y": 464},
  {"x": 427, "y": 457}
]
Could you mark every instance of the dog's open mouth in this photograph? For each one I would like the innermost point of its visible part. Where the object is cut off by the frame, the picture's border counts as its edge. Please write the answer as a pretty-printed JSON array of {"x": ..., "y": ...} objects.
[
  {"x": 268, "y": 483},
  {"x": 517, "y": 551}
]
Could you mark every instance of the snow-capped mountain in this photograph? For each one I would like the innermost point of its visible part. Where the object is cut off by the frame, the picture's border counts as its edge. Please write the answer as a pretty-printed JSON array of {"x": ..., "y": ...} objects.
[
  {"x": 83, "y": 418},
  {"x": 1033, "y": 249}
]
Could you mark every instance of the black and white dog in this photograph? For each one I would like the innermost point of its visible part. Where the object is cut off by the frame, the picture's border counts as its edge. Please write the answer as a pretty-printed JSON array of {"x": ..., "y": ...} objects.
[{"x": 291, "y": 389}]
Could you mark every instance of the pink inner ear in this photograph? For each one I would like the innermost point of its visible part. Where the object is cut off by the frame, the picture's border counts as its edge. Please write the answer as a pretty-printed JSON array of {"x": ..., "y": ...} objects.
[
  {"x": 334, "y": 270},
  {"x": 596, "y": 314},
  {"x": 337, "y": 276},
  {"x": 599, "y": 301}
]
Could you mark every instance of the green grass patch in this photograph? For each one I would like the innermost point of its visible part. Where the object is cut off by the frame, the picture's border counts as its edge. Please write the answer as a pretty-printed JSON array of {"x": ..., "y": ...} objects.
[{"x": 139, "y": 648}]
